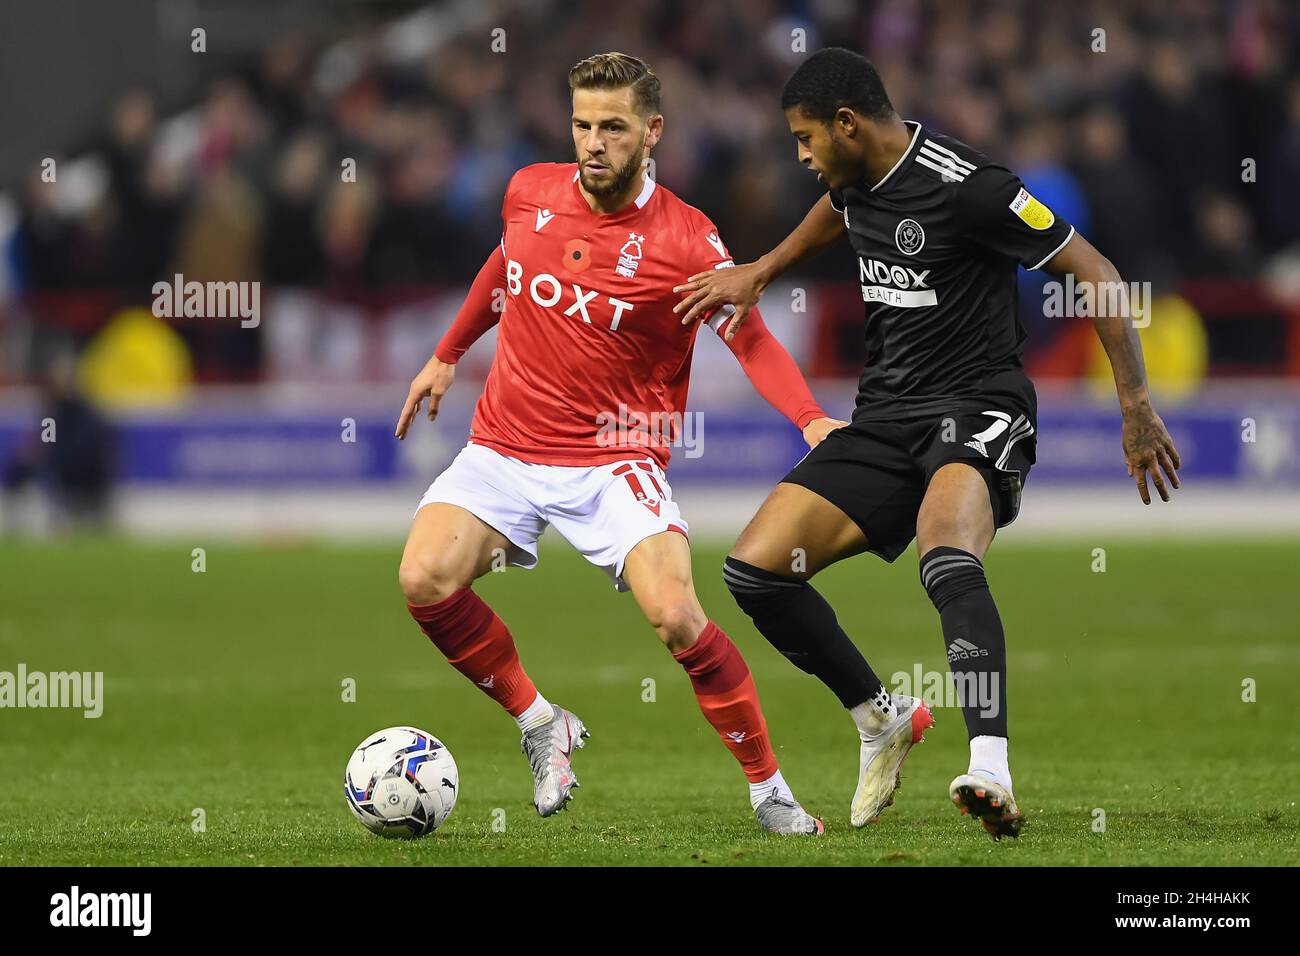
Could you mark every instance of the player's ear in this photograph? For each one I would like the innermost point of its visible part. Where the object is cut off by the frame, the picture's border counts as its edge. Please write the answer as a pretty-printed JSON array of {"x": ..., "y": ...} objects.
[
  {"x": 846, "y": 121},
  {"x": 654, "y": 130}
]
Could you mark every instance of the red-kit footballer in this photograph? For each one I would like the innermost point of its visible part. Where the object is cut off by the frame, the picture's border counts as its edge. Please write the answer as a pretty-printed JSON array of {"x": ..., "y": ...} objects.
[{"x": 573, "y": 428}]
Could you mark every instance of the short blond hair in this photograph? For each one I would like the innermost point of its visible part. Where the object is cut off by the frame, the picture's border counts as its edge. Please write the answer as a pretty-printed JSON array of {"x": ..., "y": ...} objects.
[{"x": 614, "y": 71}]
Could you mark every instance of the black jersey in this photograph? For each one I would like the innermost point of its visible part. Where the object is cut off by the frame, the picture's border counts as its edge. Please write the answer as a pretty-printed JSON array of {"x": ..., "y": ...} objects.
[{"x": 938, "y": 241}]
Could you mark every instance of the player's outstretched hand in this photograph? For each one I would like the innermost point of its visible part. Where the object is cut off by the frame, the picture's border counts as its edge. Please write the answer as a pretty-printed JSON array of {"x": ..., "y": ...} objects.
[
  {"x": 432, "y": 382},
  {"x": 1148, "y": 450},
  {"x": 739, "y": 286},
  {"x": 815, "y": 432}
]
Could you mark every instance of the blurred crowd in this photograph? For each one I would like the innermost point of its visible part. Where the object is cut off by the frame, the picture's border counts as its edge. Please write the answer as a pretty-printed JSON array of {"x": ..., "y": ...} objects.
[{"x": 1171, "y": 137}]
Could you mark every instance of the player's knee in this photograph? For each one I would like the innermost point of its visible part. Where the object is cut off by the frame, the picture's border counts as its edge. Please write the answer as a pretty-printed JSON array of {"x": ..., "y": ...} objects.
[
  {"x": 678, "y": 621},
  {"x": 750, "y": 549},
  {"x": 966, "y": 524},
  {"x": 945, "y": 531},
  {"x": 771, "y": 559},
  {"x": 754, "y": 587},
  {"x": 431, "y": 579},
  {"x": 948, "y": 573}
]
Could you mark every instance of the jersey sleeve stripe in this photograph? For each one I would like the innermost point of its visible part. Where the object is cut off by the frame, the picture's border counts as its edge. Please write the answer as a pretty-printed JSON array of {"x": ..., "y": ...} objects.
[
  {"x": 949, "y": 171},
  {"x": 944, "y": 150},
  {"x": 1044, "y": 260},
  {"x": 945, "y": 161},
  {"x": 716, "y": 320}
]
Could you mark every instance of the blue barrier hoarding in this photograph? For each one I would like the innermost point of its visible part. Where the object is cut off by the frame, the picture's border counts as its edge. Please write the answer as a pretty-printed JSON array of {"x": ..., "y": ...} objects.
[{"x": 1237, "y": 441}]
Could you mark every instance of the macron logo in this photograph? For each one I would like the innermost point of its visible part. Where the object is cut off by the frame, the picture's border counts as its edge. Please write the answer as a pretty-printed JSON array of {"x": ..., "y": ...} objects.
[
  {"x": 716, "y": 243},
  {"x": 487, "y": 682},
  {"x": 543, "y": 217}
]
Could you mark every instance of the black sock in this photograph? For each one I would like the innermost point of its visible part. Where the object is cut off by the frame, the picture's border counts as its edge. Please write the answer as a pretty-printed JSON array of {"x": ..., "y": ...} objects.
[
  {"x": 972, "y": 634},
  {"x": 798, "y": 622}
]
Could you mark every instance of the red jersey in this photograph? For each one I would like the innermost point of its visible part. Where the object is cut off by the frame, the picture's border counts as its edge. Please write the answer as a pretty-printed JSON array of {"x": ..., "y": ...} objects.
[{"x": 592, "y": 365}]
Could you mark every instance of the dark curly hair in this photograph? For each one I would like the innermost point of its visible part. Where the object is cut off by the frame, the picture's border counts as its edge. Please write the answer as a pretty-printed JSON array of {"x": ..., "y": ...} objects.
[{"x": 836, "y": 77}]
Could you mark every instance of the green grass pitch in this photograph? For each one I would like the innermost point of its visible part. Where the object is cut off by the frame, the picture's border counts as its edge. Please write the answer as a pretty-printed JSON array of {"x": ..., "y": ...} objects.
[{"x": 223, "y": 691}]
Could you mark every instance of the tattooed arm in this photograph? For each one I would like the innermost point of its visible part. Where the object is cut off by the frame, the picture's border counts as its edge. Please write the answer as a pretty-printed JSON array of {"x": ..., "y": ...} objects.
[{"x": 1148, "y": 449}]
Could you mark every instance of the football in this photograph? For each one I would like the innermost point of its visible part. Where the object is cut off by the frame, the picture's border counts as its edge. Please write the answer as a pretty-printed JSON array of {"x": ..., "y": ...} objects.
[{"x": 401, "y": 782}]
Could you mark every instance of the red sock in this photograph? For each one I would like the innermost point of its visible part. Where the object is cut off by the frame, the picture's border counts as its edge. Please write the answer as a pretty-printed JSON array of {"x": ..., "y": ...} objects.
[
  {"x": 477, "y": 643},
  {"x": 727, "y": 696}
]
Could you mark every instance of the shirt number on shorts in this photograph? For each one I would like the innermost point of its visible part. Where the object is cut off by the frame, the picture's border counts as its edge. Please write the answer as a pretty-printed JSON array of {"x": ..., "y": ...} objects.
[{"x": 633, "y": 480}]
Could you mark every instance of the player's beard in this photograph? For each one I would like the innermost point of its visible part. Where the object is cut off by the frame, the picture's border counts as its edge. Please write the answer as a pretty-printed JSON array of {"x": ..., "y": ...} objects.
[{"x": 623, "y": 176}]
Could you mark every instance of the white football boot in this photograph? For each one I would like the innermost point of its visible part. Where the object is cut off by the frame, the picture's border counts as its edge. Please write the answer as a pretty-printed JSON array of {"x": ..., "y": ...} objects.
[
  {"x": 780, "y": 815},
  {"x": 549, "y": 749},
  {"x": 882, "y": 756},
  {"x": 989, "y": 802}
]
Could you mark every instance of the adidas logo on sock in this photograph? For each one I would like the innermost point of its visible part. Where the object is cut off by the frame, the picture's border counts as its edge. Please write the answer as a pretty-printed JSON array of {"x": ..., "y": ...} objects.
[{"x": 961, "y": 649}]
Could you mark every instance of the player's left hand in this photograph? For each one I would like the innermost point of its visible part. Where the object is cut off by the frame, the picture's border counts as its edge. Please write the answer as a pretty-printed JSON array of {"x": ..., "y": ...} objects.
[
  {"x": 815, "y": 432},
  {"x": 1148, "y": 449}
]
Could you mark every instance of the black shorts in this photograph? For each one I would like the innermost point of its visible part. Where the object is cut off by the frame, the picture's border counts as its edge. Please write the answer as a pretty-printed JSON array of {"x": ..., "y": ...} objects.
[{"x": 877, "y": 472}]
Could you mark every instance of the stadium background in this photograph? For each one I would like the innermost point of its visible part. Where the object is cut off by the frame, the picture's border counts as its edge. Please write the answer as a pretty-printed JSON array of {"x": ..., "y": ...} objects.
[{"x": 1176, "y": 150}]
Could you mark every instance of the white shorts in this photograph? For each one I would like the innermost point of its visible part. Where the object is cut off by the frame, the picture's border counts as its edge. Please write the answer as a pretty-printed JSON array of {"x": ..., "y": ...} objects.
[{"x": 604, "y": 511}]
